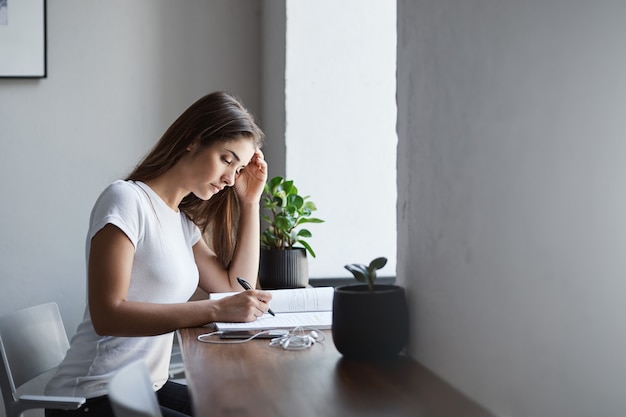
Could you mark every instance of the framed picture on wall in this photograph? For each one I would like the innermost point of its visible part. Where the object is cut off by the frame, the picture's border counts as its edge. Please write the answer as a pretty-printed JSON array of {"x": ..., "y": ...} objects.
[{"x": 22, "y": 38}]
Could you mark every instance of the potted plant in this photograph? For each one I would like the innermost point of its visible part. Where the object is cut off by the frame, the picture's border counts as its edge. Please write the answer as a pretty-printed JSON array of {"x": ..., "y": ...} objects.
[
  {"x": 284, "y": 248},
  {"x": 370, "y": 321}
]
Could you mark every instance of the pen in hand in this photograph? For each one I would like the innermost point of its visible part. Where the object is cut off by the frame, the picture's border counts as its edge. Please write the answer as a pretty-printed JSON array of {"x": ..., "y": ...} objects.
[{"x": 247, "y": 286}]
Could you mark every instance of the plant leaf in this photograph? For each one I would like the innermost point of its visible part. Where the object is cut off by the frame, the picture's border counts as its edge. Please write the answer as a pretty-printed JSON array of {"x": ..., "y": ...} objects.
[
  {"x": 289, "y": 187},
  {"x": 278, "y": 201},
  {"x": 307, "y": 247},
  {"x": 378, "y": 263},
  {"x": 273, "y": 183},
  {"x": 359, "y": 271},
  {"x": 309, "y": 220},
  {"x": 304, "y": 233},
  {"x": 286, "y": 210},
  {"x": 295, "y": 200},
  {"x": 283, "y": 223}
]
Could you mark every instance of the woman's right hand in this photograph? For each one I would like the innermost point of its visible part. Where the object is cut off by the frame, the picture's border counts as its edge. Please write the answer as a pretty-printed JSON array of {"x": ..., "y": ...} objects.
[{"x": 245, "y": 306}]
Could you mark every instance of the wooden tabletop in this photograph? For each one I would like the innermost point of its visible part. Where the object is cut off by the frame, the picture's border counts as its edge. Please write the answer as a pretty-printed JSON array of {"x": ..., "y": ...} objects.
[{"x": 255, "y": 379}]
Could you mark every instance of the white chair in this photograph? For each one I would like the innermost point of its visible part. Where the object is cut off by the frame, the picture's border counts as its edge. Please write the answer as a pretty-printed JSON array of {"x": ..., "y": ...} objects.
[
  {"x": 33, "y": 341},
  {"x": 131, "y": 393}
]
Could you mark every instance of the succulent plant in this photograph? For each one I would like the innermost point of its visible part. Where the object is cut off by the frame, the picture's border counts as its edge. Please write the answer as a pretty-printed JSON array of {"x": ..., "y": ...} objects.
[{"x": 367, "y": 273}]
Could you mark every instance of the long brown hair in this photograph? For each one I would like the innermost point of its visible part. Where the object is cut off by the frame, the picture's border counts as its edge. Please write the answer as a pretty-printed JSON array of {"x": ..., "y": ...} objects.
[{"x": 216, "y": 117}]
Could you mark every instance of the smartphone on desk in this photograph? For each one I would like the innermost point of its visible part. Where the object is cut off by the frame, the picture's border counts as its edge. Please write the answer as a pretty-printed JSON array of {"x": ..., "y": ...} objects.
[{"x": 246, "y": 334}]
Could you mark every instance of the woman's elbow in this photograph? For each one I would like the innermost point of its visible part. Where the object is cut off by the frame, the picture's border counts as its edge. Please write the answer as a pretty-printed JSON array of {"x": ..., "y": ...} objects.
[{"x": 103, "y": 322}]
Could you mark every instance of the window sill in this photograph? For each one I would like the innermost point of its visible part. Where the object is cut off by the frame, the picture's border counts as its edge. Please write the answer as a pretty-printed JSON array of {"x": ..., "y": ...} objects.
[{"x": 335, "y": 282}]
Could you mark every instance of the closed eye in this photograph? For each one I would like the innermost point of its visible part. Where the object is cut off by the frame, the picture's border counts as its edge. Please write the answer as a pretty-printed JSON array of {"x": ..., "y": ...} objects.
[{"x": 229, "y": 162}]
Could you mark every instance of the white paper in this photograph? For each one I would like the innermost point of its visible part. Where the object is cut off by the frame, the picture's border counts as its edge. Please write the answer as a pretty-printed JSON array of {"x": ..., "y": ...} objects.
[
  {"x": 305, "y": 307},
  {"x": 296, "y": 299},
  {"x": 318, "y": 319}
]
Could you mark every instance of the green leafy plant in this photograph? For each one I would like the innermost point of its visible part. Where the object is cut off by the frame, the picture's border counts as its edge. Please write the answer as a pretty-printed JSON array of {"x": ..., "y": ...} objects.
[
  {"x": 364, "y": 273},
  {"x": 286, "y": 212}
]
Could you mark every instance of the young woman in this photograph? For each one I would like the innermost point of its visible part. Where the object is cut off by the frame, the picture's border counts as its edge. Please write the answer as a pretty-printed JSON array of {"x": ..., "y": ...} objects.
[{"x": 146, "y": 254}]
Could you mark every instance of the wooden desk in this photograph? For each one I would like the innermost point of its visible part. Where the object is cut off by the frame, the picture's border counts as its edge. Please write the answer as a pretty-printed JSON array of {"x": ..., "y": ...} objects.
[{"x": 254, "y": 379}]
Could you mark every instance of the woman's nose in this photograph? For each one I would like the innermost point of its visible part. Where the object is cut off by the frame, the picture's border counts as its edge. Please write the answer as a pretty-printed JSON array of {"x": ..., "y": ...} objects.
[{"x": 229, "y": 178}]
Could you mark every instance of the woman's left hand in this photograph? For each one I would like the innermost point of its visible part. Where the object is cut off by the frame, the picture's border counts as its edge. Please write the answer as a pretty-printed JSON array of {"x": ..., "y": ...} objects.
[{"x": 250, "y": 182}]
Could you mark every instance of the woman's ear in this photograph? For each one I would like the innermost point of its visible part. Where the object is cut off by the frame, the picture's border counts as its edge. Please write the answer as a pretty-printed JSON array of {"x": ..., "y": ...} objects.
[{"x": 192, "y": 146}]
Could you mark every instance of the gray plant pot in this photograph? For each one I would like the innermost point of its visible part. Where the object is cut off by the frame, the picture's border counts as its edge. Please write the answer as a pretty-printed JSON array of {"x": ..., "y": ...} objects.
[
  {"x": 283, "y": 268},
  {"x": 370, "y": 326}
]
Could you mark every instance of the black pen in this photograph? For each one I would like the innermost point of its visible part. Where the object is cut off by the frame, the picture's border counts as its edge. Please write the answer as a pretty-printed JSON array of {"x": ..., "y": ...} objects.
[{"x": 247, "y": 286}]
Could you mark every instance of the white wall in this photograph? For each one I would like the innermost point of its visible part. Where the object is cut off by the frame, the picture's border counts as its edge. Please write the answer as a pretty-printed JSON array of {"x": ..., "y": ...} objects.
[
  {"x": 512, "y": 210},
  {"x": 341, "y": 127},
  {"x": 119, "y": 73}
]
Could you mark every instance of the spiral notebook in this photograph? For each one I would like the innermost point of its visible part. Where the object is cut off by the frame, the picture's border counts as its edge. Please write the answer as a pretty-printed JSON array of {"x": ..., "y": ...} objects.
[{"x": 305, "y": 307}]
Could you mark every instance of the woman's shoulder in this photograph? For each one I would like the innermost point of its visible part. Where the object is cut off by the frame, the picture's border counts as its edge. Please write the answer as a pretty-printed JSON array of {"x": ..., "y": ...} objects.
[
  {"x": 122, "y": 187},
  {"x": 122, "y": 205},
  {"x": 121, "y": 191}
]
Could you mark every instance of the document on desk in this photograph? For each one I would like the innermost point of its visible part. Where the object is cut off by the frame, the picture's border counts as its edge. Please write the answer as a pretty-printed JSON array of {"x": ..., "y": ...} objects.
[{"x": 306, "y": 307}]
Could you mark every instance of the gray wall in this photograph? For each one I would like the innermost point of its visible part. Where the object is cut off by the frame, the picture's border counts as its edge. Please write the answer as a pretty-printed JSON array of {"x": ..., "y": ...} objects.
[
  {"x": 119, "y": 73},
  {"x": 511, "y": 202},
  {"x": 273, "y": 110}
]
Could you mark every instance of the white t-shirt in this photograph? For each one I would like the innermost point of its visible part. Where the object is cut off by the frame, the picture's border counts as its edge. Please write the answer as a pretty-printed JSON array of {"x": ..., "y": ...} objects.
[{"x": 164, "y": 271}]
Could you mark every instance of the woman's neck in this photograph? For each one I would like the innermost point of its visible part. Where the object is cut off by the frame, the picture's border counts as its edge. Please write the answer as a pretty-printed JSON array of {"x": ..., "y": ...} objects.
[{"x": 169, "y": 190}]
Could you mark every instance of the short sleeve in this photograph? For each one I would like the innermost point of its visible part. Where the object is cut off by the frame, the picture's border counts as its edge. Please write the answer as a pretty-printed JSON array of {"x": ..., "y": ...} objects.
[
  {"x": 192, "y": 232},
  {"x": 120, "y": 205}
]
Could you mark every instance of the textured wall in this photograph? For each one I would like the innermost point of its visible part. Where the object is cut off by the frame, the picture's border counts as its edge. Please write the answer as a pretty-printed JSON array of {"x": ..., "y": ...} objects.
[{"x": 511, "y": 209}]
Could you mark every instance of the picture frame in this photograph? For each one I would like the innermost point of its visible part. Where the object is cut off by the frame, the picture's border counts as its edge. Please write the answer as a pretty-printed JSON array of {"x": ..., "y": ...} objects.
[{"x": 23, "y": 39}]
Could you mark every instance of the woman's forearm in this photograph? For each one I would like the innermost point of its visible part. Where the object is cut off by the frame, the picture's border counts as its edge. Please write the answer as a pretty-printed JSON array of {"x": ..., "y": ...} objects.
[
  {"x": 245, "y": 262},
  {"x": 131, "y": 318}
]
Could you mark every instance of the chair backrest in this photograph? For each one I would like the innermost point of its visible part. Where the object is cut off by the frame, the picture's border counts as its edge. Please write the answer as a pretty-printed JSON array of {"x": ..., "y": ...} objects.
[
  {"x": 32, "y": 341},
  {"x": 131, "y": 393}
]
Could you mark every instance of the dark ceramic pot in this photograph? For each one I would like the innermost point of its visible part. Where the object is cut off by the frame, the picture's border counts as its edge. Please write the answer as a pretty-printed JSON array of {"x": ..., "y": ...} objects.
[
  {"x": 283, "y": 268},
  {"x": 370, "y": 325}
]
